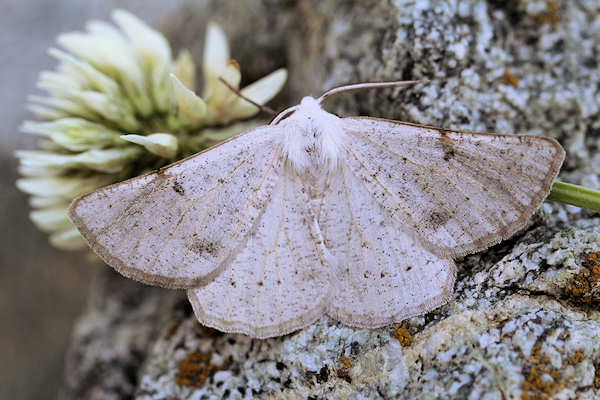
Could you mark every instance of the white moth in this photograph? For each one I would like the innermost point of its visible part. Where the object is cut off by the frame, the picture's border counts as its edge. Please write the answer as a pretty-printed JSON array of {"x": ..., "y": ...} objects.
[{"x": 357, "y": 218}]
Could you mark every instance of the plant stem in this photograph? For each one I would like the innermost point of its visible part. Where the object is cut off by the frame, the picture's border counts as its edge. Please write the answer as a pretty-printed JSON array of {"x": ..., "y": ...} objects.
[{"x": 575, "y": 195}]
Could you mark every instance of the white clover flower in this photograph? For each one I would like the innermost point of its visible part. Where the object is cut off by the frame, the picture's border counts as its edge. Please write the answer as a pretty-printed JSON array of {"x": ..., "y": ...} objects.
[{"x": 119, "y": 105}]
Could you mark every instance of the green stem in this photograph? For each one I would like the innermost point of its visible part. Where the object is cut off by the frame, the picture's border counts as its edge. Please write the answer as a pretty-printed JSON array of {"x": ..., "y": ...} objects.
[{"x": 575, "y": 195}]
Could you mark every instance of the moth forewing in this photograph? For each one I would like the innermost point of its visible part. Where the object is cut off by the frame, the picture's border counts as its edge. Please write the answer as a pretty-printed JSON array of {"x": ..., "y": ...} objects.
[
  {"x": 460, "y": 191},
  {"x": 176, "y": 227}
]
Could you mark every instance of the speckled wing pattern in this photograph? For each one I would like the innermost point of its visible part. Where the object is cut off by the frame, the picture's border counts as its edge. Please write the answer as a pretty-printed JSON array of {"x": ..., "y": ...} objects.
[
  {"x": 410, "y": 198},
  {"x": 460, "y": 192},
  {"x": 279, "y": 280},
  {"x": 180, "y": 226},
  {"x": 264, "y": 251},
  {"x": 382, "y": 274}
]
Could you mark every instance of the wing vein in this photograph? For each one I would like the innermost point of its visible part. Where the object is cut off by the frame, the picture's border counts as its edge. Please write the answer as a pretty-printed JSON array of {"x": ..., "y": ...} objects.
[
  {"x": 151, "y": 195},
  {"x": 189, "y": 204},
  {"x": 381, "y": 186},
  {"x": 179, "y": 221},
  {"x": 95, "y": 215},
  {"x": 447, "y": 178},
  {"x": 353, "y": 223},
  {"x": 437, "y": 171},
  {"x": 249, "y": 204},
  {"x": 269, "y": 252},
  {"x": 132, "y": 208},
  {"x": 394, "y": 198},
  {"x": 439, "y": 202}
]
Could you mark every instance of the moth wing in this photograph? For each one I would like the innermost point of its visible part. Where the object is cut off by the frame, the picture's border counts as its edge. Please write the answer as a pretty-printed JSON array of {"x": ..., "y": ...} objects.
[
  {"x": 381, "y": 273},
  {"x": 177, "y": 227},
  {"x": 459, "y": 192},
  {"x": 279, "y": 281}
]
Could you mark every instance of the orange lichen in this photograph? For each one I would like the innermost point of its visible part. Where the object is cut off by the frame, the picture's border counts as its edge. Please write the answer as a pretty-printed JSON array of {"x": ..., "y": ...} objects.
[
  {"x": 403, "y": 335},
  {"x": 345, "y": 362},
  {"x": 195, "y": 369},
  {"x": 584, "y": 286},
  {"x": 577, "y": 357},
  {"x": 343, "y": 372},
  {"x": 592, "y": 262},
  {"x": 550, "y": 16},
  {"x": 541, "y": 379},
  {"x": 597, "y": 378},
  {"x": 508, "y": 78}
]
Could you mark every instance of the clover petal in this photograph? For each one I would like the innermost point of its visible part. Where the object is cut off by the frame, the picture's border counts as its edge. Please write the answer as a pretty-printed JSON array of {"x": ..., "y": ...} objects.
[
  {"x": 189, "y": 106},
  {"x": 184, "y": 69},
  {"x": 260, "y": 92},
  {"x": 215, "y": 58},
  {"x": 161, "y": 144},
  {"x": 153, "y": 52}
]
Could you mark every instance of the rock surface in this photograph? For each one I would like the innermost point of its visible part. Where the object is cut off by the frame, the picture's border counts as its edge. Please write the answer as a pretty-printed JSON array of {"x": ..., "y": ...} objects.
[{"x": 524, "y": 320}]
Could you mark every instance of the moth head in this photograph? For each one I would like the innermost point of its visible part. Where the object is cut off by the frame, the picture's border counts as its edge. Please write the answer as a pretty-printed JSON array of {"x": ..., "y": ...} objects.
[
  {"x": 309, "y": 107},
  {"x": 313, "y": 137}
]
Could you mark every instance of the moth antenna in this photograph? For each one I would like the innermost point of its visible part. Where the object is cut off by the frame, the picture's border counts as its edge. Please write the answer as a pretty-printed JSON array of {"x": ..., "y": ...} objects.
[
  {"x": 283, "y": 115},
  {"x": 237, "y": 92},
  {"x": 358, "y": 87}
]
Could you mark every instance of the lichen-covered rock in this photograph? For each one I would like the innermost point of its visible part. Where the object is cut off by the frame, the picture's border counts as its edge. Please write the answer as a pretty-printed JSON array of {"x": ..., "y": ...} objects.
[
  {"x": 326, "y": 359},
  {"x": 110, "y": 340},
  {"x": 524, "y": 320}
]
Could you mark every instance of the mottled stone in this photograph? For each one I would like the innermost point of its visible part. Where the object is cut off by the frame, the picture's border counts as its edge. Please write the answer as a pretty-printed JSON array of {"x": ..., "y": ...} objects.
[
  {"x": 110, "y": 340},
  {"x": 307, "y": 363},
  {"x": 524, "y": 320}
]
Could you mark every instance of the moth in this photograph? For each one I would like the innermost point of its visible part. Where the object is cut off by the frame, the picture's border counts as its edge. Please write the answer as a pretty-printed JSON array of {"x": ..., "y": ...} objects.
[{"x": 357, "y": 218}]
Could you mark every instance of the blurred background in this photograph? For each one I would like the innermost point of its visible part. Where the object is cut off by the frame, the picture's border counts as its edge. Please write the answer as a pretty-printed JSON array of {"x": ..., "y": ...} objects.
[{"x": 42, "y": 289}]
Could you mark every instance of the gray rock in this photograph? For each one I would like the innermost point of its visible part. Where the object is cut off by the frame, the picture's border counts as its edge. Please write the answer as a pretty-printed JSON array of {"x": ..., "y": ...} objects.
[
  {"x": 121, "y": 319},
  {"x": 524, "y": 320}
]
